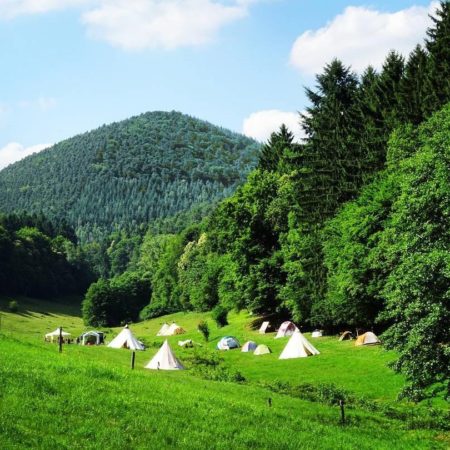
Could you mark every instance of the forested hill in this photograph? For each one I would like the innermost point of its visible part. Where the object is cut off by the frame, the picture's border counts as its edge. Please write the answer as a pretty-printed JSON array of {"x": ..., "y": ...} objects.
[{"x": 129, "y": 173}]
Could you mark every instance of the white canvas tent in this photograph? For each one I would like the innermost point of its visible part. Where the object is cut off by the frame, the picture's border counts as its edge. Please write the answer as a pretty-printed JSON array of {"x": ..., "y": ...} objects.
[
  {"x": 163, "y": 330},
  {"x": 286, "y": 329},
  {"x": 298, "y": 347},
  {"x": 170, "y": 330},
  {"x": 264, "y": 327},
  {"x": 126, "y": 339},
  {"x": 165, "y": 359},
  {"x": 55, "y": 334},
  {"x": 316, "y": 333},
  {"x": 249, "y": 346},
  {"x": 368, "y": 338},
  {"x": 92, "y": 337}
]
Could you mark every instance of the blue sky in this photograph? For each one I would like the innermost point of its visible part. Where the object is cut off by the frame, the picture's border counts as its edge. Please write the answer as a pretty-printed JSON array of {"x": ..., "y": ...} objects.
[{"x": 69, "y": 66}]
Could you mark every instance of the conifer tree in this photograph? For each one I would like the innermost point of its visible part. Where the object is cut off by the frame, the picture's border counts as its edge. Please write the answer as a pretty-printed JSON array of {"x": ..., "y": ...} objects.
[
  {"x": 438, "y": 46},
  {"x": 413, "y": 87},
  {"x": 272, "y": 151}
]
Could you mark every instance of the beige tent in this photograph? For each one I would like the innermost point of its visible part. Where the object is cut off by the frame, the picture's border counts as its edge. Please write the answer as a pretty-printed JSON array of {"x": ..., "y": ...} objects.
[
  {"x": 286, "y": 329},
  {"x": 316, "y": 333},
  {"x": 264, "y": 327},
  {"x": 54, "y": 335},
  {"x": 163, "y": 330},
  {"x": 126, "y": 339},
  {"x": 165, "y": 359},
  {"x": 298, "y": 347},
  {"x": 249, "y": 346},
  {"x": 346, "y": 335},
  {"x": 170, "y": 330},
  {"x": 262, "y": 350},
  {"x": 368, "y": 338},
  {"x": 186, "y": 344}
]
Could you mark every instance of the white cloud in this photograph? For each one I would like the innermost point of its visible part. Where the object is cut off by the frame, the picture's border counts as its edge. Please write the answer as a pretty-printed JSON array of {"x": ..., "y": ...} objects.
[
  {"x": 42, "y": 103},
  {"x": 14, "y": 151},
  {"x": 13, "y": 8},
  {"x": 167, "y": 24},
  {"x": 142, "y": 24},
  {"x": 261, "y": 124},
  {"x": 361, "y": 36}
]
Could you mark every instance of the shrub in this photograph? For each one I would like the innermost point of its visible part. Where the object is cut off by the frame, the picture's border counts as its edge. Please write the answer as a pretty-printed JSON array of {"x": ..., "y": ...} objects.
[
  {"x": 204, "y": 329},
  {"x": 13, "y": 306},
  {"x": 220, "y": 316}
]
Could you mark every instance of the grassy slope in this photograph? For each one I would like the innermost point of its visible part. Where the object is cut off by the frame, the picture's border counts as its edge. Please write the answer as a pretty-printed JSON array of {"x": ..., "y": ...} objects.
[{"x": 88, "y": 397}]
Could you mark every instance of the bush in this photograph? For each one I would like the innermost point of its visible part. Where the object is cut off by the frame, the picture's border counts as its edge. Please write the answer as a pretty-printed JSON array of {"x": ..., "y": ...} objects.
[
  {"x": 204, "y": 329},
  {"x": 220, "y": 316},
  {"x": 13, "y": 306}
]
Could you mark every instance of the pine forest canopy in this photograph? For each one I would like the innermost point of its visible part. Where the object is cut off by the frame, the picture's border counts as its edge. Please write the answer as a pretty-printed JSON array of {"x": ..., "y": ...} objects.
[{"x": 129, "y": 173}]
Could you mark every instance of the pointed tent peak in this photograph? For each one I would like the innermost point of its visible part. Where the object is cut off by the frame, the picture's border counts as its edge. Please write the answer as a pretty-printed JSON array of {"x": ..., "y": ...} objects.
[
  {"x": 126, "y": 339},
  {"x": 298, "y": 347},
  {"x": 165, "y": 359}
]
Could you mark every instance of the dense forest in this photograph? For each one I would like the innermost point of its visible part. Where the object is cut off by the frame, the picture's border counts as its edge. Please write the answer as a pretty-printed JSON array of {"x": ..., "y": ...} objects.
[
  {"x": 348, "y": 229},
  {"x": 124, "y": 175},
  {"x": 40, "y": 259}
]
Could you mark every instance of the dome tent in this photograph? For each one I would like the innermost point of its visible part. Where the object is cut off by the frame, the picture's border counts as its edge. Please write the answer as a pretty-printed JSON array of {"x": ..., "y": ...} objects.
[
  {"x": 286, "y": 329},
  {"x": 298, "y": 347},
  {"x": 165, "y": 359},
  {"x": 249, "y": 346},
  {"x": 346, "y": 336},
  {"x": 228, "y": 343},
  {"x": 92, "y": 337},
  {"x": 126, "y": 339},
  {"x": 368, "y": 338},
  {"x": 262, "y": 350}
]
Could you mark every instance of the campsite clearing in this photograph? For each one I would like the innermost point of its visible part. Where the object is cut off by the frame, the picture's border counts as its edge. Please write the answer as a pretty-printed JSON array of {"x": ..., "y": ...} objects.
[{"x": 73, "y": 392}]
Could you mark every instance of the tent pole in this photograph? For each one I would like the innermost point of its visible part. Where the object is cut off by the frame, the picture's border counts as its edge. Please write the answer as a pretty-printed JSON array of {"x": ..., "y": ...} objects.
[{"x": 133, "y": 356}]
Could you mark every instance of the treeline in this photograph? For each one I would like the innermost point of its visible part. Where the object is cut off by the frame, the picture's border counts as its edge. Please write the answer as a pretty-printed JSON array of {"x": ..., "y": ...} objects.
[
  {"x": 347, "y": 229},
  {"x": 40, "y": 259},
  {"x": 122, "y": 176}
]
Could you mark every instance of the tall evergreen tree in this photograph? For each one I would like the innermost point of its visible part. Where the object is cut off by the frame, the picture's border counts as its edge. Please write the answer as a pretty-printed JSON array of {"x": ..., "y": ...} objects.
[
  {"x": 438, "y": 46},
  {"x": 413, "y": 87},
  {"x": 272, "y": 151}
]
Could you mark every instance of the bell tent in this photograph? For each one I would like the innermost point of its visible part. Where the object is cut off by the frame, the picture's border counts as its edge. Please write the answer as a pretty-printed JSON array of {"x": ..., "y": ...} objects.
[
  {"x": 262, "y": 350},
  {"x": 286, "y": 329},
  {"x": 249, "y": 346},
  {"x": 170, "y": 330},
  {"x": 163, "y": 330},
  {"x": 126, "y": 339},
  {"x": 228, "y": 343},
  {"x": 298, "y": 347},
  {"x": 165, "y": 359},
  {"x": 264, "y": 327},
  {"x": 368, "y": 338}
]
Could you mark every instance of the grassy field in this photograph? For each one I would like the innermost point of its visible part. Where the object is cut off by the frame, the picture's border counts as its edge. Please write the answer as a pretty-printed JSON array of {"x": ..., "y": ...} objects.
[{"x": 88, "y": 397}]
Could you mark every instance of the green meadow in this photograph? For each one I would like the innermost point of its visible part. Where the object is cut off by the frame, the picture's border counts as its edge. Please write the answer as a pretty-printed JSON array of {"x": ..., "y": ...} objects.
[{"x": 89, "y": 398}]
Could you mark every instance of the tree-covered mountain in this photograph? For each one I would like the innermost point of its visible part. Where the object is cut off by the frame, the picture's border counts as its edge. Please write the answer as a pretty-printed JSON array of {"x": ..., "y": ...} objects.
[{"x": 129, "y": 173}]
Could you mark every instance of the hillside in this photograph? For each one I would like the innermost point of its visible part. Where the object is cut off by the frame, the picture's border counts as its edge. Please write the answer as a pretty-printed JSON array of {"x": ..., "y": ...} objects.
[
  {"x": 129, "y": 173},
  {"x": 86, "y": 386}
]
